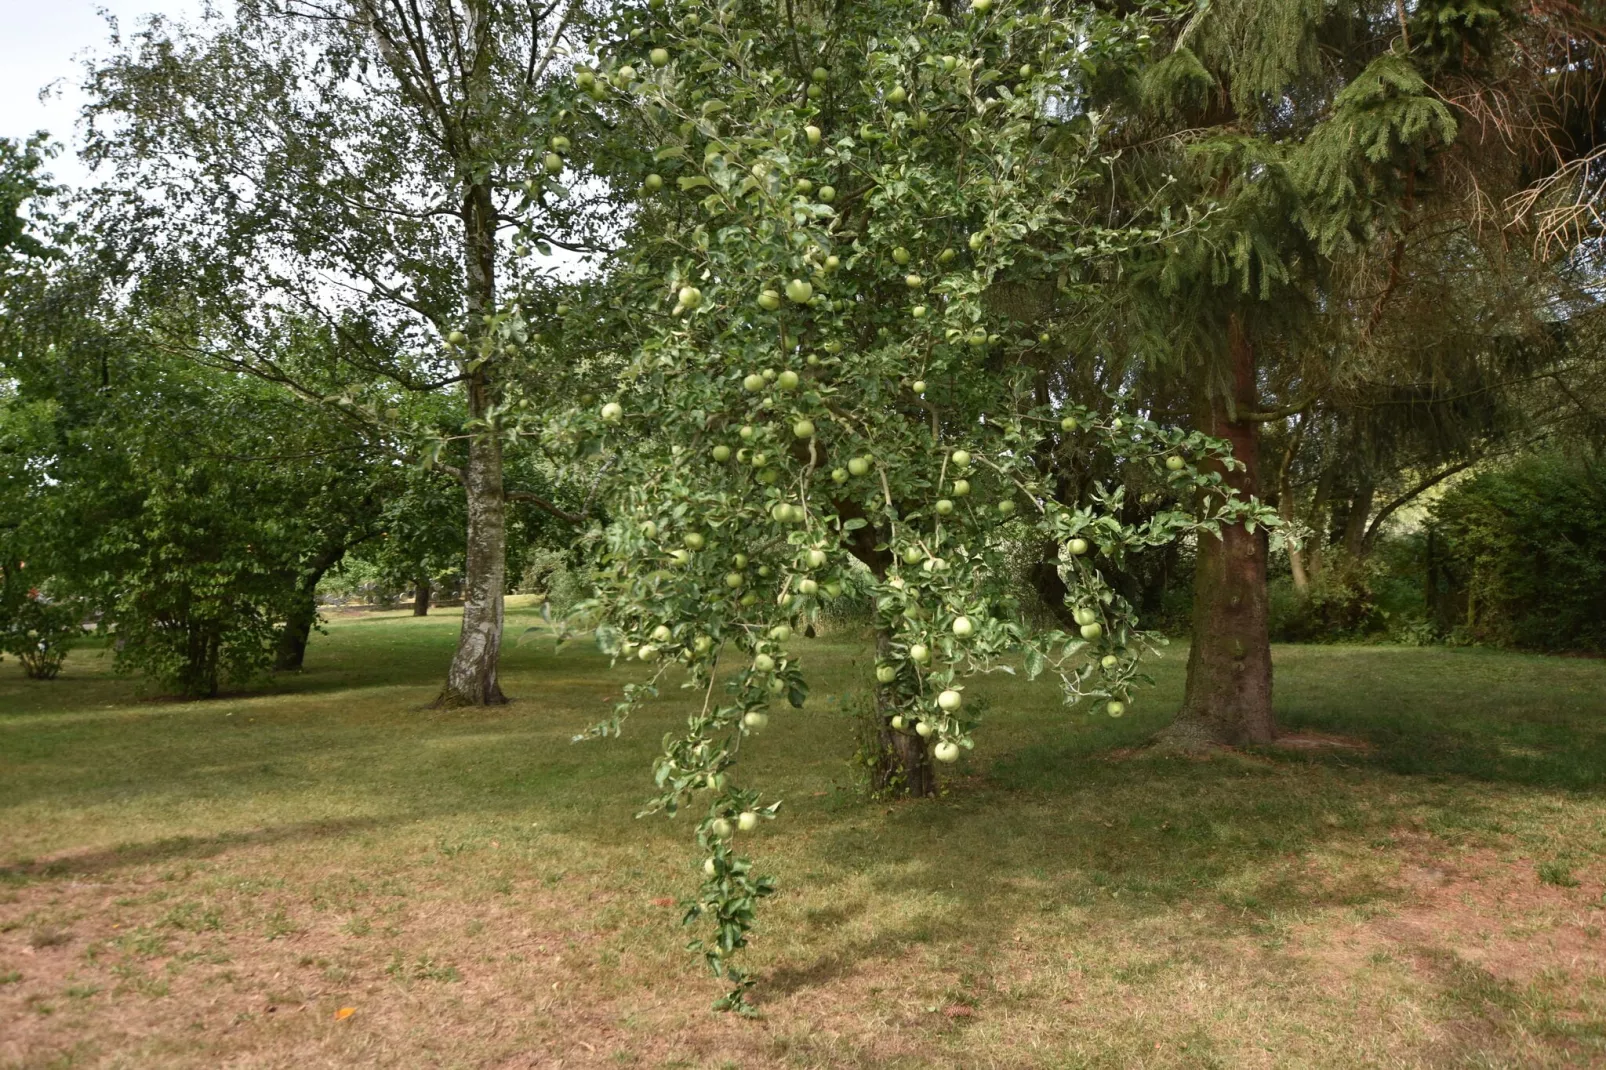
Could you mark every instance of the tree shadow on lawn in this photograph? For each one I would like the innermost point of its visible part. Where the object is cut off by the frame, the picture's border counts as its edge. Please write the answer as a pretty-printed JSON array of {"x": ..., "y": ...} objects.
[{"x": 185, "y": 848}]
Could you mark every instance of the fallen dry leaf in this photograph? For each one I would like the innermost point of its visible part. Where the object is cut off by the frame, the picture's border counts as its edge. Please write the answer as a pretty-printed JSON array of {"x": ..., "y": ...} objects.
[
  {"x": 664, "y": 901},
  {"x": 958, "y": 1010},
  {"x": 344, "y": 1012}
]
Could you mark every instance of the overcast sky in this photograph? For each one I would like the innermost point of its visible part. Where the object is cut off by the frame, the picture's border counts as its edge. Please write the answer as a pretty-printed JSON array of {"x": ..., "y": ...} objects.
[{"x": 42, "y": 42}]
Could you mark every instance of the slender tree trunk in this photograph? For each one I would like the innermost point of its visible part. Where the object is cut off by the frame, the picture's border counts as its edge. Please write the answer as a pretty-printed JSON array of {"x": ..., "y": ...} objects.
[
  {"x": 1286, "y": 506},
  {"x": 903, "y": 760},
  {"x": 1228, "y": 696},
  {"x": 471, "y": 680},
  {"x": 1319, "y": 522},
  {"x": 421, "y": 595}
]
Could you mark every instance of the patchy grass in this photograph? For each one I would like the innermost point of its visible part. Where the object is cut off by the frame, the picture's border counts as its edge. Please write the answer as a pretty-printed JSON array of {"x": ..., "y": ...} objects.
[{"x": 329, "y": 874}]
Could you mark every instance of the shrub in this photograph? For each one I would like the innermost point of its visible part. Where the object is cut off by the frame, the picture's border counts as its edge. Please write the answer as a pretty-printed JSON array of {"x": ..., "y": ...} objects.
[
  {"x": 38, "y": 633},
  {"x": 1518, "y": 555}
]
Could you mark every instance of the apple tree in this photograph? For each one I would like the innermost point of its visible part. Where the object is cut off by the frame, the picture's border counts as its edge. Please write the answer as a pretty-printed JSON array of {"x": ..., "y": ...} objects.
[{"x": 825, "y": 377}]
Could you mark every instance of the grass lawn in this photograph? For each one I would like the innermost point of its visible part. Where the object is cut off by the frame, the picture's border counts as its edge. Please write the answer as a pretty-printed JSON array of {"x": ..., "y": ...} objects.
[{"x": 209, "y": 884}]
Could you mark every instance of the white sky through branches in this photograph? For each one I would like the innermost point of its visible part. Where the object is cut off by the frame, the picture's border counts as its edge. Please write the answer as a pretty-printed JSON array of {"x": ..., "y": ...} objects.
[{"x": 42, "y": 44}]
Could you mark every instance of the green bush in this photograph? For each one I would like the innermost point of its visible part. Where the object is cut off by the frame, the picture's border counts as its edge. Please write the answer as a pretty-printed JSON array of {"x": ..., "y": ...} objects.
[
  {"x": 1340, "y": 604},
  {"x": 38, "y": 633},
  {"x": 1517, "y": 556}
]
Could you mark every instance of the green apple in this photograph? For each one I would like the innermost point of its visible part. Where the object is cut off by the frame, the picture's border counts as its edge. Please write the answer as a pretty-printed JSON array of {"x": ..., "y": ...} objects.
[
  {"x": 661, "y": 634},
  {"x": 1077, "y": 547},
  {"x": 831, "y": 264},
  {"x": 808, "y": 587},
  {"x": 919, "y": 654},
  {"x": 897, "y": 722},
  {"x": 961, "y": 488},
  {"x": 803, "y": 185},
  {"x": 918, "y": 386},
  {"x": 839, "y": 475},
  {"x": 788, "y": 379},
  {"x": 1175, "y": 464},
  {"x": 457, "y": 338},
  {"x": 816, "y": 91},
  {"x": 559, "y": 143},
  {"x": 799, "y": 291},
  {"x": 961, "y": 458},
  {"x": 719, "y": 828},
  {"x": 886, "y": 673},
  {"x": 679, "y": 558},
  {"x": 659, "y": 57},
  {"x": 963, "y": 628},
  {"x": 950, "y": 64},
  {"x": 747, "y": 820},
  {"x": 690, "y": 296},
  {"x": 923, "y": 729},
  {"x": 626, "y": 75},
  {"x": 702, "y": 644},
  {"x": 747, "y": 431},
  {"x": 1068, "y": 424},
  {"x": 817, "y": 559},
  {"x": 812, "y": 133},
  {"x": 708, "y": 867},
  {"x": 803, "y": 429},
  {"x": 739, "y": 560},
  {"x": 763, "y": 663},
  {"x": 1006, "y": 508},
  {"x": 693, "y": 540},
  {"x": 722, "y": 453},
  {"x": 832, "y": 589},
  {"x": 898, "y": 95},
  {"x": 981, "y": 7},
  {"x": 827, "y": 194},
  {"x": 552, "y": 162},
  {"x": 914, "y": 282},
  {"x": 977, "y": 338},
  {"x": 946, "y": 256},
  {"x": 769, "y": 300},
  {"x": 944, "y": 507},
  {"x": 918, "y": 312},
  {"x": 1109, "y": 661},
  {"x": 650, "y": 530},
  {"x": 900, "y": 255},
  {"x": 977, "y": 240},
  {"x": 819, "y": 74},
  {"x": 653, "y": 183},
  {"x": 912, "y": 555},
  {"x": 748, "y": 599},
  {"x": 1092, "y": 631},
  {"x": 859, "y": 465},
  {"x": 1025, "y": 70},
  {"x": 1115, "y": 707},
  {"x": 950, "y": 700},
  {"x": 1084, "y": 615},
  {"x": 584, "y": 79},
  {"x": 613, "y": 412},
  {"x": 755, "y": 719},
  {"x": 648, "y": 652},
  {"x": 753, "y": 383},
  {"x": 946, "y": 752}
]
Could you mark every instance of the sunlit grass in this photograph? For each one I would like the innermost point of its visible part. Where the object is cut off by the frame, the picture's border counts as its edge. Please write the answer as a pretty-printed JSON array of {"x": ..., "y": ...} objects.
[{"x": 477, "y": 887}]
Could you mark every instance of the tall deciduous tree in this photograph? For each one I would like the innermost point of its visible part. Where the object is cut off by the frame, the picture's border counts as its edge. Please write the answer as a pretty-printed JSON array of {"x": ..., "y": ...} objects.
[{"x": 360, "y": 162}]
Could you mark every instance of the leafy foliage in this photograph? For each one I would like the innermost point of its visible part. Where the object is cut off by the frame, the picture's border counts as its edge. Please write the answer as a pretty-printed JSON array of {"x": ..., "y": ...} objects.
[
  {"x": 1523, "y": 556},
  {"x": 826, "y": 382}
]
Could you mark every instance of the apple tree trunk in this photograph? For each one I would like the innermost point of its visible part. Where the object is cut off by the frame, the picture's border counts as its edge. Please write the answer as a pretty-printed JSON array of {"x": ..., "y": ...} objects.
[
  {"x": 422, "y": 592},
  {"x": 1228, "y": 695}
]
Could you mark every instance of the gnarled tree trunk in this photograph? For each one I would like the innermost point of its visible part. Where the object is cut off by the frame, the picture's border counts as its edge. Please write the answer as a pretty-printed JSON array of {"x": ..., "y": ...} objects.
[
  {"x": 903, "y": 759},
  {"x": 1228, "y": 696}
]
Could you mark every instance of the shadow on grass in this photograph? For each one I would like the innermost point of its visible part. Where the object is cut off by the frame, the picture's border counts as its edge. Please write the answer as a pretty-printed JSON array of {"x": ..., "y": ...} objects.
[{"x": 176, "y": 848}]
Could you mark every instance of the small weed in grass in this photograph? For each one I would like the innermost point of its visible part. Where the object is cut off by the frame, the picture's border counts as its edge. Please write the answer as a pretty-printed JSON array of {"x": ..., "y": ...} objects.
[
  {"x": 1559, "y": 874},
  {"x": 425, "y": 968},
  {"x": 48, "y": 936},
  {"x": 10, "y": 977}
]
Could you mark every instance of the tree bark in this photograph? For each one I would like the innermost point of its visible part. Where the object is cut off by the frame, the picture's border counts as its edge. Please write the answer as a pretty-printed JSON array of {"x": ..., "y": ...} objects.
[
  {"x": 1360, "y": 511},
  {"x": 421, "y": 595},
  {"x": 903, "y": 759},
  {"x": 472, "y": 678},
  {"x": 1228, "y": 695},
  {"x": 294, "y": 635},
  {"x": 1286, "y": 507}
]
